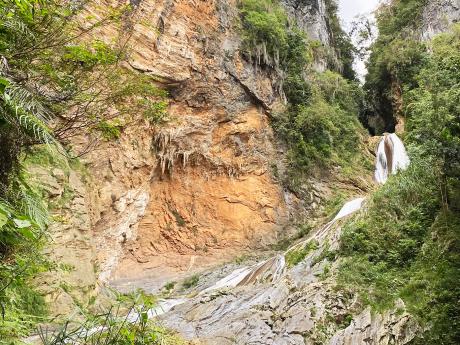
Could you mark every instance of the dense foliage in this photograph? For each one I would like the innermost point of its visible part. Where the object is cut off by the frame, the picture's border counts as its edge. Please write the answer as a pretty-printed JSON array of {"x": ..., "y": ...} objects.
[
  {"x": 324, "y": 130},
  {"x": 320, "y": 123},
  {"x": 269, "y": 37},
  {"x": 407, "y": 244},
  {"x": 55, "y": 82},
  {"x": 395, "y": 60},
  {"x": 264, "y": 31}
]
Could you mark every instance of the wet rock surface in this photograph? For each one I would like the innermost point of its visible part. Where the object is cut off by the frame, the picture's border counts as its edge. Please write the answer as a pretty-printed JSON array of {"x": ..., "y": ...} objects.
[{"x": 301, "y": 307}]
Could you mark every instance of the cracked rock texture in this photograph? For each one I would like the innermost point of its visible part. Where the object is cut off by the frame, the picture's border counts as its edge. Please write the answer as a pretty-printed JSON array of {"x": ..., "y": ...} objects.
[
  {"x": 437, "y": 16},
  {"x": 302, "y": 307}
]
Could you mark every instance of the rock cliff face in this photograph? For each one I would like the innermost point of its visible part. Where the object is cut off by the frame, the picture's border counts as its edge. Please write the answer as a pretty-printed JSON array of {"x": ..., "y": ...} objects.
[
  {"x": 437, "y": 16},
  {"x": 166, "y": 202},
  {"x": 311, "y": 16},
  {"x": 75, "y": 281},
  {"x": 211, "y": 191}
]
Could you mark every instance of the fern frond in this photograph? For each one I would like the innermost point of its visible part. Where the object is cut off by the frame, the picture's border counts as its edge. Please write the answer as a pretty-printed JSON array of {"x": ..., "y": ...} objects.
[
  {"x": 17, "y": 27},
  {"x": 26, "y": 100},
  {"x": 27, "y": 122},
  {"x": 32, "y": 206}
]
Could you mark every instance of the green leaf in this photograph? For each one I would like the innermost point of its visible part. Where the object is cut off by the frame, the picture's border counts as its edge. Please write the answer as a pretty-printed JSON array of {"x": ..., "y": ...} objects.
[
  {"x": 3, "y": 219},
  {"x": 3, "y": 84},
  {"x": 27, "y": 233}
]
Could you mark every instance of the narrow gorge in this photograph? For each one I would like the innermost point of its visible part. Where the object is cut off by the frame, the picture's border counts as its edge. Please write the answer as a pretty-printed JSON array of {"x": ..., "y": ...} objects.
[{"x": 214, "y": 172}]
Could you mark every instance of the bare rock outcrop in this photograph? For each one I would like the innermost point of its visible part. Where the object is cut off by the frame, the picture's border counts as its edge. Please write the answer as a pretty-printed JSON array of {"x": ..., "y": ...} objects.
[
  {"x": 164, "y": 202},
  {"x": 302, "y": 306},
  {"x": 438, "y": 16}
]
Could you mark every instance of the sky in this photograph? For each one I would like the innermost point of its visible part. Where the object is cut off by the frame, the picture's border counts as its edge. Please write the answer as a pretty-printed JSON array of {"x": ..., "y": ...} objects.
[{"x": 350, "y": 9}]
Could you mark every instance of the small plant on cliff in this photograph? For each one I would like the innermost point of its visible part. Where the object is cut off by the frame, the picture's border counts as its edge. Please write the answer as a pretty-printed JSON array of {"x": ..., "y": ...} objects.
[
  {"x": 295, "y": 256},
  {"x": 191, "y": 282},
  {"x": 264, "y": 31}
]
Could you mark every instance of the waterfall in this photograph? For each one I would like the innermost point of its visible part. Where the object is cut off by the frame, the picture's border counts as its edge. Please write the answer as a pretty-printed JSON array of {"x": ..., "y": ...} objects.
[
  {"x": 391, "y": 157},
  {"x": 349, "y": 208}
]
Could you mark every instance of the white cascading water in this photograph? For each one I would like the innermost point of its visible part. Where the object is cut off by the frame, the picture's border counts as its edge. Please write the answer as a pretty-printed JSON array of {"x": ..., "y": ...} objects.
[
  {"x": 391, "y": 157},
  {"x": 268, "y": 270},
  {"x": 349, "y": 208},
  {"x": 230, "y": 281}
]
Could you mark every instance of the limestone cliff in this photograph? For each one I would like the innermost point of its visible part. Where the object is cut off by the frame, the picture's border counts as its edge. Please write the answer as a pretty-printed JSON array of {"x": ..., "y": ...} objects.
[
  {"x": 164, "y": 202},
  {"x": 437, "y": 16}
]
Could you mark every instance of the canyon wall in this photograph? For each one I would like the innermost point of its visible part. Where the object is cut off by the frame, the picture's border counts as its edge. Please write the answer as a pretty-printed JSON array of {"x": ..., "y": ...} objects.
[{"x": 162, "y": 203}]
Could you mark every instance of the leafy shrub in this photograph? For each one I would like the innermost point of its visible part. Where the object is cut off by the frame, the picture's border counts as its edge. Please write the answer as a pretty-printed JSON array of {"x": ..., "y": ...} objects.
[
  {"x": 398, "y": 218},
  {"x": 432, "y": 108},
  {"x": 295, "y": 256},
  {"x": 156, "y": 112},
  {"x": 95, "y": 53},
  {"x": 326, "y": 129},
  {"x": 22, "y": 234},
  {"x": 297, "y": 59},
  {"x": 115, "y": 327},
  {"x": 191, "y": 282},
  {"x": 110, "y": 129},
  {"x": 395, "y": 59},
  {"x": 264, "y": 30}
]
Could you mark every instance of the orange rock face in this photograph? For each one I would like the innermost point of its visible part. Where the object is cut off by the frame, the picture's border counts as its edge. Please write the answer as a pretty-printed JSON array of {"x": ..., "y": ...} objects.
[{"x": 198, "y": 191}]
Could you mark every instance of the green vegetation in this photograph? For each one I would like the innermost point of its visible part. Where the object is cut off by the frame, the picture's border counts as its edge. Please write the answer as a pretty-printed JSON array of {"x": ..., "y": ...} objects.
[
  {"x": 270, "y": 39},
  {"x": 55, "y": 83},
  {"x": 110, "y": 130},
  {"x": 407, "y": 244},
  {"x": 330, "y": 255},
  {"x": 191, "y": 281},
  {"x": 264, "y": 31},
  {"x": 294, "y": 256},
  {"x": 396, "y": 57},
  {"x": 323, "y": 132},
  {"x": 169, "y": 286},
  {"x": 116, "y": 328},
  {"x": 344, "y": 49},
  {"x": 320, "y": 125}
]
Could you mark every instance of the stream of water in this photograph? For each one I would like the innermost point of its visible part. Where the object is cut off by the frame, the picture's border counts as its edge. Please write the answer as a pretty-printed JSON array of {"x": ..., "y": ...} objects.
[{"x": 391, "y": 157}]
